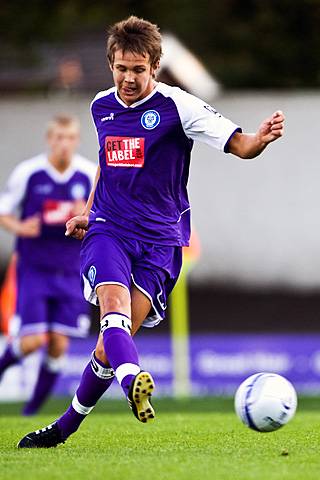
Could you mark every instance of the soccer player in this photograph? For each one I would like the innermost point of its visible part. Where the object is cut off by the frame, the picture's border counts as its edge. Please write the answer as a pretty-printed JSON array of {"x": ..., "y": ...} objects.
[
  {"x": 41, "y": 195},
  {"x": 138, "y": 216}
]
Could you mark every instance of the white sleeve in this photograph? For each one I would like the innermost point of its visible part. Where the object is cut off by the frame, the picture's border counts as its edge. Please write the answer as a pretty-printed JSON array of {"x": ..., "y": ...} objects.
[
  {"x": 92, "y": 172},
  {"x": 14, "y": 191},
  {"x": 87, "y": 167},
  {"x": 202, "y": 122}
]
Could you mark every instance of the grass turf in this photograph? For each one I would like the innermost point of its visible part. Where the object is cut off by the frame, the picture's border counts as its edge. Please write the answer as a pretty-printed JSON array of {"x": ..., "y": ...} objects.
[{"x": 198, "y": 439}]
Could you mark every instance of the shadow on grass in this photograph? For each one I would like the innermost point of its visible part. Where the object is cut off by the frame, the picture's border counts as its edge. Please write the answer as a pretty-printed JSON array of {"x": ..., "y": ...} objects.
[{"x": 56, "y": 406}]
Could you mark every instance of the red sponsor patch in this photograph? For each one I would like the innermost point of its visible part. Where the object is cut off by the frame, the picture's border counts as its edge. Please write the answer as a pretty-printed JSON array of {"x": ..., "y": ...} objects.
[
  {"x": 57, "y": 212},
  {"x": 125, "y": 151}
]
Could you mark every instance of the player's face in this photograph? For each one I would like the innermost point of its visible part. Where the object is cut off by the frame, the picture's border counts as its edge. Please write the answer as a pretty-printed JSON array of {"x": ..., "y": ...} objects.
[
  {"x": 132, "y": 75},
  {"x": 63, "y": 141}
]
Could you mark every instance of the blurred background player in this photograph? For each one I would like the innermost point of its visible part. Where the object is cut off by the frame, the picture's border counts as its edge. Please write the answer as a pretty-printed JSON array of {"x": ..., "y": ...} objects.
[
  {"x": 41, "y": 194},
  {"x": 139, "y": 216}
]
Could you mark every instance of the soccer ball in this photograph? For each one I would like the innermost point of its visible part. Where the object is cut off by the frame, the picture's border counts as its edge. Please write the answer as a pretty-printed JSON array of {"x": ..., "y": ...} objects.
[{"x": 265, "y": 402}]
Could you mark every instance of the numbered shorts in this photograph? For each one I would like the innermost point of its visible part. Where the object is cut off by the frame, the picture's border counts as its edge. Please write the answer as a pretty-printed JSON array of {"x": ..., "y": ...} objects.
[
  {"x": 50, "y": 301},
  {"x": 109, "y": 259}
]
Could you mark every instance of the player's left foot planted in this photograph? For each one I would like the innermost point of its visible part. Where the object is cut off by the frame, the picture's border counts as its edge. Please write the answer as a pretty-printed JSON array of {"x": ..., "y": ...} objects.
[
  {"x": 139, "y": 397},
  {"x": 47, "y": 437}
]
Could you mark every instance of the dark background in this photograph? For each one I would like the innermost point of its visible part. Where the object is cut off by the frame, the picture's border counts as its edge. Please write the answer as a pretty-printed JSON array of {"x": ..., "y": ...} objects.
[{"x": 246, "y": 44}]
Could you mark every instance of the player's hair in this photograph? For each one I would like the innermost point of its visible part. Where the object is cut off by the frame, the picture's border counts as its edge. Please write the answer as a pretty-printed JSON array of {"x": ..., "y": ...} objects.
[
  {"x": 135, "y": 35},
  {"x": 62, "y": 120}
]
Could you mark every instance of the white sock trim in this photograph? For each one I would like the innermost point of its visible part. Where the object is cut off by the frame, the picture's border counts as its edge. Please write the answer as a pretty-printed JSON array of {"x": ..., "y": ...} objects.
[
  {"x": 126, "y": 369},
  {"x": 16, "y": 347},
  {"x": 116, "y": 320},
  {"x": 105, "y": 373},
  {"x": 55, "y": 364},
  {"x": 80, "y": 408}
]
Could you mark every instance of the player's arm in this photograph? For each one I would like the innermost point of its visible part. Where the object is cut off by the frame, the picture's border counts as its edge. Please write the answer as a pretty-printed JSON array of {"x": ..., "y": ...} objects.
[
  {"x": 29, "y": 227},
  {"x": 77, "y": 226},
  {"x": 91, "y": 196},
  {"x": 11, "y": 199},
  {"x": 202, "y": 122},
  {"x": 246, "y": 145}
]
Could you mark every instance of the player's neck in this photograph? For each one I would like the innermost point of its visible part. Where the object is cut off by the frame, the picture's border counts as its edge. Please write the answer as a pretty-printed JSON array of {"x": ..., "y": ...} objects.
[{"x": 61, "y": 165}]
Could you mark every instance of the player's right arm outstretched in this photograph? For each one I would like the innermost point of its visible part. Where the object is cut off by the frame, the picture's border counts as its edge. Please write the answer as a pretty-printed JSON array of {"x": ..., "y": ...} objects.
[{"x": 77, "y": 226}]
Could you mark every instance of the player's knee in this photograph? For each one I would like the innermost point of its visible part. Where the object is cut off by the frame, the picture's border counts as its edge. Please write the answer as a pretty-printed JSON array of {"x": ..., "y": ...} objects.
[
  {"x": 31, "y": 343},
  {"x": 113, "y": 303},
  {"x": 57, "y": 345},
  {"x": 57, "y": 350},
  {"x": 114, "y": 298}
]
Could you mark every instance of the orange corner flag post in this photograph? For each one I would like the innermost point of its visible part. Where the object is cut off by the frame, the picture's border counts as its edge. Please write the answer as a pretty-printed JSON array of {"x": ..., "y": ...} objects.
[
  {"x": 8, "y": 295},
  {"x": 180, "y": 322}
]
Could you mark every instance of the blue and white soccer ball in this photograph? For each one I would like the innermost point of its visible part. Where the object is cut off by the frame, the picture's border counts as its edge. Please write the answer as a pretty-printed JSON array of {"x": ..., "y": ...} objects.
[{"x": 265, "y": 402}]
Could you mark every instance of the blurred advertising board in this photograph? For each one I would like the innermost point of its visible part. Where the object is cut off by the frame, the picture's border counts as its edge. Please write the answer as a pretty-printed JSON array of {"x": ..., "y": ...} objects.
[{"x": 219, "y": 363}]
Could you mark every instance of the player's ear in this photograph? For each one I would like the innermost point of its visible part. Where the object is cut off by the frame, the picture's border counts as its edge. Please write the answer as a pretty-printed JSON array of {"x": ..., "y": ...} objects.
[{"x": 154, "y": 68}]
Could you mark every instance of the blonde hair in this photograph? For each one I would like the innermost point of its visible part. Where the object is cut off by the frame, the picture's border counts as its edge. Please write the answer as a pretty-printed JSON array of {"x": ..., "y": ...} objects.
[{"x": 62, "y": 120}]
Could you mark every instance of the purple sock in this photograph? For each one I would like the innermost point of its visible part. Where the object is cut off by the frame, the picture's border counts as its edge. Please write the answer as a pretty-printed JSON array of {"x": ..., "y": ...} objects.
[
  {"x": 48, "y": 375},
  {"x": 11, "y": 356},
  {"x": 95, "y": 380},
  {"x": 120, "y": 348}
]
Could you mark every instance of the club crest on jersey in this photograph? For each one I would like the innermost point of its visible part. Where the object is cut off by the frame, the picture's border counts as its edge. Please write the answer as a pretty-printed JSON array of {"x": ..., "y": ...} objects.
[
  {"x": 150, "y": 119},
  {"x": 92, "y": 274},
  {"x": 78, "y": 191}
]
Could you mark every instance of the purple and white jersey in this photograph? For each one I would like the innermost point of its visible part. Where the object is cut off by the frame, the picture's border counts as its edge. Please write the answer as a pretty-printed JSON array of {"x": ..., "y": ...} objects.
[
  {"x": 144, "y": 158},
  {"x": 35, "y": 187}
]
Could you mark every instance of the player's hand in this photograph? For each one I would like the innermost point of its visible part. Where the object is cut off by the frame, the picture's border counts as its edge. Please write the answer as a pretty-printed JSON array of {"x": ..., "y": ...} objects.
[
  {"x": 30, "y": 227},
  {"x": 77, "y": 227},
  {"x": 271, "y": 128}
]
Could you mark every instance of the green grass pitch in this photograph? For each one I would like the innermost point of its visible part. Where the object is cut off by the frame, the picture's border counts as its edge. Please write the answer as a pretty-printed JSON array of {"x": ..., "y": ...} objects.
[{"x": 195, "y": 439}]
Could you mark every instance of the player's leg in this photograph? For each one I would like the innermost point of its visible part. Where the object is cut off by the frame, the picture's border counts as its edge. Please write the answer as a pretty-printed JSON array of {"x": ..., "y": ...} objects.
[
  {"x": 154, "y": 277},
  {"x": 116, "y": 324},
  {"x": 142, "y": 386},
  {"x": 50, "y": 370},
  {"x": 96, "y": 270},
  {"x": 67, "y": 315},
  {"x": 98, "y": 375},
  {"x": 116, "y": 328},
  {"x": 96, "y": 379},
  {"x": 107, "y": 281},
  {"x": 120, "y": 348},
  {"x": 18, "y": 348},
  {"x": 28, "y": 324},
  {"x": 120, "y": 352}
]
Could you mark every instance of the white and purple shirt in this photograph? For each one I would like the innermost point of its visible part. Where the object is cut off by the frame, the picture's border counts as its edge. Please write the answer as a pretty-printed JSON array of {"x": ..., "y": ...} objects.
[
  {"x": 144, "y": 158},
  {"x": 36, "y": 187}
]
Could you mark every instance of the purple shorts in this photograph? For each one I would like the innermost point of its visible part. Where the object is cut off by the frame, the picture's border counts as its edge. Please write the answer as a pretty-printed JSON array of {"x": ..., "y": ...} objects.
[
  {"x": 50, "y": 301},
  {"x": 110, "y": 259}
]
